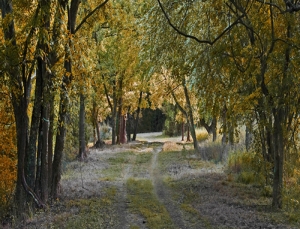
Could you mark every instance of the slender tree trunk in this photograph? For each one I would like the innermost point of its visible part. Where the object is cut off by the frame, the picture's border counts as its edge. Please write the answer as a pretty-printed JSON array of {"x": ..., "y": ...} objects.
[
  {"x": 59, "y": 142},
  {"x": 278, "y": 142},
  {"x": 34, "y": 130},
  {"x": 188, "y": 137},
  {"x": 37, "y": 186},
  {"x": 64, "y": 102},
  {"x": 114, "y": 114},
  {"x": 136, "y": 120},
  {"x": 82, "y": 128},
  {"x": 50, "y": 142},
  {"x": 44, "y": 154},
  {"x": 96, "y": 123},
  {"x": 191, "y": 122},
  {"x": 182, "y": 131},
  {"x": 122, "y": 129}
]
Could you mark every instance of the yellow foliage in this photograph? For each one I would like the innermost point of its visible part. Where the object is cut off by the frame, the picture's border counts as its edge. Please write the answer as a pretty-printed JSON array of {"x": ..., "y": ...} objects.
[{"x": 8, "y": 161}]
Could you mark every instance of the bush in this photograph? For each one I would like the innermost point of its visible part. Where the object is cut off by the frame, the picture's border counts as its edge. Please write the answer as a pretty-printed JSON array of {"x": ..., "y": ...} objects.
[
  {"x": 215, "y": 151},
  {"x": 249, "y": 167},
  {"x": 202, "y": 136},
  {"x": 105, "y": 132}
]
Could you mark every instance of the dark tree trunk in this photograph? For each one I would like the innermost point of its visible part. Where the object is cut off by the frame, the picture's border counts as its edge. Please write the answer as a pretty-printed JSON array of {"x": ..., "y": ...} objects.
[
  {"x": 37, "y": 186},
  {"x": 96, "y": 123},
  {"x": 114, "y": 114},
  {"x": 60, "y": 141},
  {"x": 191, "y": 122},
  {"x": 212, "y": 128},
  {"x": 182, "y": 131},
  {"x": 64, "y": 102},
  {"x": 50, "y": 142},
  {"x": 188, "y": 137},
  {"x": 278, "y": 143},
  {"x": 34, "y": 130},
  {"x": 82, "y": 143},
  {"x": 136, "y": 120},
  {"x": 122, "y": 129}
]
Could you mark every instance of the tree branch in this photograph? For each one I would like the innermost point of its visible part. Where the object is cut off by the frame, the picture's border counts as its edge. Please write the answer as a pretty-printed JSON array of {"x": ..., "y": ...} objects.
[
  {"x": 89, "y": 15},
  {"x": 237, "y": 21}
]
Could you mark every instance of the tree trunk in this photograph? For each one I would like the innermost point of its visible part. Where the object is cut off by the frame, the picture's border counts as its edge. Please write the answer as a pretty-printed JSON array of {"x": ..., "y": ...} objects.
[
  {"x": 136, "y": 120},
  {"x": 60, "y": 141},
  {"x": 191, "y": 122},
  {"x": 122, "y": 129},
  {"x": 278, "y": 143},
  {"x": 188, "y": 137},
  {"x": 212, "y": 128},
  {"x": 44, "y": 154},
  {"x": 34, "y": 130},
  {"x": 50, "y": 142},
  {"x": 182, "y": 131},
  {"x": 82, "y": 143},
  {"x": 114, "y": 114}
]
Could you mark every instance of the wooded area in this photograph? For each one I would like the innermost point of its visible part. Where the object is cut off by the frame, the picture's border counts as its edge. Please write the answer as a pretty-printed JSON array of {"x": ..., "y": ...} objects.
[{"x": 69, "y": 65}]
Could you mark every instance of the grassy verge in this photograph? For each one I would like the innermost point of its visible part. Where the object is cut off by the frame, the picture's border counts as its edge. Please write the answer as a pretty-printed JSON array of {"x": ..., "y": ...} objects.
[{"x": 143, "y": 201}]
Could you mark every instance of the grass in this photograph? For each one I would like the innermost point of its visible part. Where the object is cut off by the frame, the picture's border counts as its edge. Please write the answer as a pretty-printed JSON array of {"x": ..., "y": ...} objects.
[
  {"x": 143, "y": 201},
  {"x": 117, "y": 164},
  {"x": 185, "y": 191},
  {"x": 82, "y": 213}
]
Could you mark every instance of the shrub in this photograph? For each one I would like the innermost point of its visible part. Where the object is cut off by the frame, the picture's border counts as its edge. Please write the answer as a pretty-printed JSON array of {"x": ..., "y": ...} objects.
[
  {"x": 249, "y": 167},
  {"x": 215, "y": 151},
  {"x": 202, "y": 136}
]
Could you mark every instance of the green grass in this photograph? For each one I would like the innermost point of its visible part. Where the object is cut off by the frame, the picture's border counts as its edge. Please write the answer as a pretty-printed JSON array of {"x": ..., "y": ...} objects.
[{"x": 143, "y": 201}]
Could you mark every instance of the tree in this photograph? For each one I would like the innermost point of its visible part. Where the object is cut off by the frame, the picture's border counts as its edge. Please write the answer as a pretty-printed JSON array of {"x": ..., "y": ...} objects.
[{"x": 254, "y": 40}]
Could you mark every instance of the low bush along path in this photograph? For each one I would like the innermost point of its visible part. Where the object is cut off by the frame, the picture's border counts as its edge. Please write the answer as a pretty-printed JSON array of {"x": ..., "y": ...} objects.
[{"x": 153, "y": 185}]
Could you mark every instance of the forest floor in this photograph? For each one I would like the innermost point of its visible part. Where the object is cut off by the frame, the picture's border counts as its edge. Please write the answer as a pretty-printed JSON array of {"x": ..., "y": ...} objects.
[{"x": 145, "y": 185}]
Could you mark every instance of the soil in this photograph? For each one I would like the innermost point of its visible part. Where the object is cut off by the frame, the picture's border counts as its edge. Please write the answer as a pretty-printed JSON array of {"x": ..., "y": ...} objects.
[{"x": 219, "y": 202}]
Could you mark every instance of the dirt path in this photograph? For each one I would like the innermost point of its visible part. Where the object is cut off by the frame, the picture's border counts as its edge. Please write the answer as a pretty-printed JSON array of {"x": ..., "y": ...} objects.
[
  {"x": 195, "y": 194},
  {"x": 162, "y": 192}
]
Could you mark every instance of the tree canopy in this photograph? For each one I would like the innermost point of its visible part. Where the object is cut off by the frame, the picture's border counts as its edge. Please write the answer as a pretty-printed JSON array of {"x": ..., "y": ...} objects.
[{"x": 231, "y": 62}]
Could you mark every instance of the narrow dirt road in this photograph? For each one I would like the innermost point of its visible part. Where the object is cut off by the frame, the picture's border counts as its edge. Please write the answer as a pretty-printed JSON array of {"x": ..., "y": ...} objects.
[{"x": 141, "y": 185}]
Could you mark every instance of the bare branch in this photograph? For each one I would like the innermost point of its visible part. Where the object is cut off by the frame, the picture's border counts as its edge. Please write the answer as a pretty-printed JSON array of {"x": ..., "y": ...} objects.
[
  {"x": 237, "y": 21},
  {"x": 89, "y": 15}
]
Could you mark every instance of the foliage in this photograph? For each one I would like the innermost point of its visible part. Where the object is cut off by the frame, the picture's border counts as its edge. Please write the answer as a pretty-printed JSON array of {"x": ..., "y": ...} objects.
[{"x": 8, "y": 160}]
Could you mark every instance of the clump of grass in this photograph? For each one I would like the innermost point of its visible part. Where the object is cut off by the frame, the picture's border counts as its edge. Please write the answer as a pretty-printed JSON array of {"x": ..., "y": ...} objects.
[
  {"x": 172, "y": 146},
  {"x": 143, "y": 201}
]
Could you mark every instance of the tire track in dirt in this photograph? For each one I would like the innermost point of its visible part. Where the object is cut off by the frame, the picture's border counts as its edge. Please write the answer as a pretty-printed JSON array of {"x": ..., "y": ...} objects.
[{"x": 162, "y": 192}]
